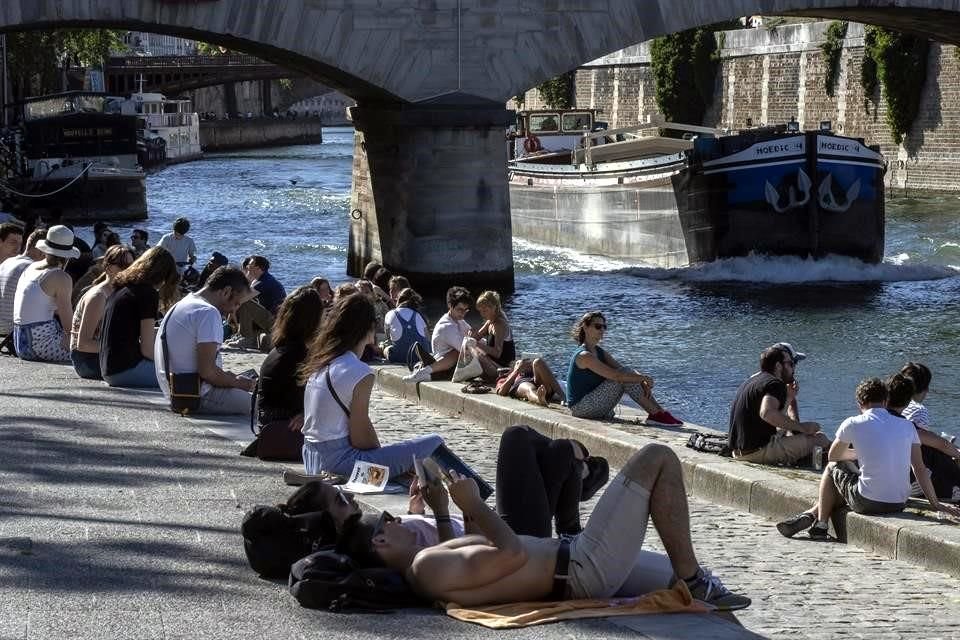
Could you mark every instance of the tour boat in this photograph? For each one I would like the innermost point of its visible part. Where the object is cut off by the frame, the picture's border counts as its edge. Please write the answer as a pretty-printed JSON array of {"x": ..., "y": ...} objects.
[
  {"x": 76, "y": 160},
  {"x": 171, "y": 120},
  {"x": 673, "y": 195}
]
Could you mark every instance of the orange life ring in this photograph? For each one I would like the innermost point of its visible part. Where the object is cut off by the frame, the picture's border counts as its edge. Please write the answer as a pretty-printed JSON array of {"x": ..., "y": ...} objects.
[{"x": 532, "y": 144}]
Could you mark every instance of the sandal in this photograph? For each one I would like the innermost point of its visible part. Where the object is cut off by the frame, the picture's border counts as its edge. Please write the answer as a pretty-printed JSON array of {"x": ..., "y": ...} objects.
[{"x": 476, "y": 387}]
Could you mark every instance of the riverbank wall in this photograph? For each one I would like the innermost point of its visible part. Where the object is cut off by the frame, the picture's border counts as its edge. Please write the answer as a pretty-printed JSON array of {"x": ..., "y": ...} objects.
[
  {"x": 773, "y": 75},
  {"x": 225, "y": 135}
]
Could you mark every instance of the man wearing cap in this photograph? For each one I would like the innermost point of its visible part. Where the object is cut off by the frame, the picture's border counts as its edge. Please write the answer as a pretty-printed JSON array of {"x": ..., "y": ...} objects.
[
  {"x": 41, "y": 306},
  {"x": 765, "y": 423}
]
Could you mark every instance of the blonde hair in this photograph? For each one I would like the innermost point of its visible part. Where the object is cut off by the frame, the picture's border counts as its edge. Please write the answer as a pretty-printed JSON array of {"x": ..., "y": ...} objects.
[{"x": 491, "y": 299}]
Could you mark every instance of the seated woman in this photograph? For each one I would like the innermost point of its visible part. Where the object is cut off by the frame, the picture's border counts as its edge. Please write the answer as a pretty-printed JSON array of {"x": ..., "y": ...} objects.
[
  {"x": 405, "y": 327},
  {"x": 87, "y": 317},
  {"x": 939, "y": 454},
  {"x": 337, "y": 430},
  {"x": 41, "y": 305},
  {"x": 531, "y": 381},
  {"x": 279, "y": 392},
  {"x": 496, "y": 329},
  {"x": 127, "y": 337},
  {"x": 596, "y": 381}
]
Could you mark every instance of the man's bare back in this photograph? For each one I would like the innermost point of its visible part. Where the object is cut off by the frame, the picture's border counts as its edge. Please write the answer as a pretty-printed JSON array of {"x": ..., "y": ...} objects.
[{"x": 439, "y": 572}]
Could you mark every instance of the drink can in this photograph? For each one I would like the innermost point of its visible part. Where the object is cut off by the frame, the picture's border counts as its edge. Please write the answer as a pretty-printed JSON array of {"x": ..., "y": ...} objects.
[{"x": 818, "y": 458}]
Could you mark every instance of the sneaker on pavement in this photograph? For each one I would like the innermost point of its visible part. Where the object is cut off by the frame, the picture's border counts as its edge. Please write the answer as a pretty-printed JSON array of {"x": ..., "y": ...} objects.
[
  {"x": 709, "y": 589},
  {"x": 792, "y": 526},
  {"x": 818, "y": 533},
  {"x": 663, "y": 419},
  {"x": 241, "y": 342},
  {"x": 419, "y": 375}
]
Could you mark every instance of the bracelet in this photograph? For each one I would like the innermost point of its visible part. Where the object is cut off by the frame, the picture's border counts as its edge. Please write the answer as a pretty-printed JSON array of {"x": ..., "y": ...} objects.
[{"x": 440, "y": 519}]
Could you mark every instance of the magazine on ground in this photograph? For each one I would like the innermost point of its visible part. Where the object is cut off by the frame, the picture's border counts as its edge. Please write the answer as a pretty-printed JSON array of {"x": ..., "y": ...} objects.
[{"x": 367, "y": 478}]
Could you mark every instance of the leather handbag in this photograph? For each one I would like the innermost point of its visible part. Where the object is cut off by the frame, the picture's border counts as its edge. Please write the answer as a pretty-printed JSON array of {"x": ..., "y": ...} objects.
[
  {"x": 184, "y": 387},
  {"x": 273, "y": 440}
]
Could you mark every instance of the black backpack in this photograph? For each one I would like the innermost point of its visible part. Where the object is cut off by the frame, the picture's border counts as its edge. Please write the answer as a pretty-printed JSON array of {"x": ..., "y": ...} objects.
[
  {"x": 274, "y": 539},
  {"x": 710, "y": 443},
  {"x": 330, "y": 580}
]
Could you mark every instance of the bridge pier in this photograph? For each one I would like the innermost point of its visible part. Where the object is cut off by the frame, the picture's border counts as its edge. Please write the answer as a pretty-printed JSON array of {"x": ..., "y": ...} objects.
[{"x": 430, "y": 197}]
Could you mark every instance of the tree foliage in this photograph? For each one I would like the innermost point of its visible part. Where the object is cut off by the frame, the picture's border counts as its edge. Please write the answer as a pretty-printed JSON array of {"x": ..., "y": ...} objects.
[
  {"x": 37, "y": 60},
  {"x": 684, "y": 68},
  {"x": 557, "y": 93},
  {"x": 832, "y": 48},
  {"x": 899, "y": 62}
]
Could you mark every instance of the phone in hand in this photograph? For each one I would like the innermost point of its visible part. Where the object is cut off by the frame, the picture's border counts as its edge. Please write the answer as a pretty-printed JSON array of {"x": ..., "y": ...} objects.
[{"x": 250, "y": 374}]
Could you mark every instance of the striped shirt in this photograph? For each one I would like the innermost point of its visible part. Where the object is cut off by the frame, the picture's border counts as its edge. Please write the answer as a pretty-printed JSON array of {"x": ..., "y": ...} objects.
[
  {"x": 10, "y": 271},
  {"x": 917, "y": 413}
]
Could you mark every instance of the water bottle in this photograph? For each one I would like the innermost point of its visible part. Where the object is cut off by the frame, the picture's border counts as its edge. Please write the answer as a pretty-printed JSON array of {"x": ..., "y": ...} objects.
[
  {"x": 946, "y": 436},
  {"x": 818, "y": 458}
]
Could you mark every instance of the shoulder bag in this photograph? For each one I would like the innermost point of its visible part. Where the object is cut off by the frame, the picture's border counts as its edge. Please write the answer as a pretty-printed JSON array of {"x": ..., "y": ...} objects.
[
  {"x": 273, "y": 440},
  {"x": 184, "y": 387}
]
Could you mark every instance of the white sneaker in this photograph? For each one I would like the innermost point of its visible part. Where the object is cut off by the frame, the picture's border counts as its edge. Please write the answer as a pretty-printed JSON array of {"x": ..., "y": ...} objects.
[
  {"x": 419, "y": 375},
  {"x": 915, "y": 490}
]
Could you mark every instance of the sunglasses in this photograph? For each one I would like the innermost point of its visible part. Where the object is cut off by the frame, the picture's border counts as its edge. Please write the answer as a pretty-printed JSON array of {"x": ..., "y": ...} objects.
[
  {"x": 601, "y": 327},
  {"x": 385, "y": 517},
  {"x": 342, "y": 497}
]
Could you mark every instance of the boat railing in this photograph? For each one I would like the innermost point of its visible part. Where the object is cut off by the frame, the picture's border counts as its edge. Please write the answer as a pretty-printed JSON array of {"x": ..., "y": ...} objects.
[{"x": 638, "y": 140}]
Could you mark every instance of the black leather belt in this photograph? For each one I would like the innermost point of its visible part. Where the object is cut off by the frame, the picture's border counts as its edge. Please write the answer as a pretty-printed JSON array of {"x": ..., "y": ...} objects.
[{"x": 560, "y": 575}]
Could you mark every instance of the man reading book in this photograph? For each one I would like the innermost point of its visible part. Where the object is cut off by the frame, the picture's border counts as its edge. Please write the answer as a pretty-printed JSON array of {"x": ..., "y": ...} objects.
[{"x": 600, "y": 562}]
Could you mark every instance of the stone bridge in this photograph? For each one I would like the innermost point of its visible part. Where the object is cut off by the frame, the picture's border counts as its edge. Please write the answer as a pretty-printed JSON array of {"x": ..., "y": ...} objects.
[{"x": 430, "y": 78}]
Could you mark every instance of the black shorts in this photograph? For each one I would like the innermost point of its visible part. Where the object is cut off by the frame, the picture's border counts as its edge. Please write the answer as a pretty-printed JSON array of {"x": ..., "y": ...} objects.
[{"x": 845, "y": 478}]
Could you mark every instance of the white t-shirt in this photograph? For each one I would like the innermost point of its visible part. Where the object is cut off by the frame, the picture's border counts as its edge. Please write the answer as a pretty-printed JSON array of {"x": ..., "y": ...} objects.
[
  {"x": 192, "y": 321},
  {"x": 10, "y": 271},
  {"x": 323, "y": 418},
  {"x": 448, "y": 335},
  {"x": 883, "y": 443},
  {"x": 181, "y": 248},
  {"x": 394, "y": 326},
  {"x": 916, "y": 412}
]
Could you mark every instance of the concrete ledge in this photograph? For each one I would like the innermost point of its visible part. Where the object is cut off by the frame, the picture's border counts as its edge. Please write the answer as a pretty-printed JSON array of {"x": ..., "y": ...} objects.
[{"x": 915, "y": 536}]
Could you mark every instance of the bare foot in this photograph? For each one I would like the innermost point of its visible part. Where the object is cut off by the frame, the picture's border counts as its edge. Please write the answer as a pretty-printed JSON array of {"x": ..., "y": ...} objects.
[{"x": 542, "y": 396}]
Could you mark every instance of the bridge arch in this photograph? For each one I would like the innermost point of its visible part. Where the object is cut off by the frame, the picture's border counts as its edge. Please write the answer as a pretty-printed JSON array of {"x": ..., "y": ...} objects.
[{"x": 417, "y": 50}]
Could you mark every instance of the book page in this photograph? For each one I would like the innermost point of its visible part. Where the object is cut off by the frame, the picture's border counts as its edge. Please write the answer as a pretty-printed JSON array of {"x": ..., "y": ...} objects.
[{"x": 367, "y": 477}]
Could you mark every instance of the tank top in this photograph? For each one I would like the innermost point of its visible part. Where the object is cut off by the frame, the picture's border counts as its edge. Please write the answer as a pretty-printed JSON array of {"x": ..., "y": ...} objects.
[
  {"x": 580, "y": 382},
  {"x": 32, "y": 304},
  {"x": 509, "y": 351}
]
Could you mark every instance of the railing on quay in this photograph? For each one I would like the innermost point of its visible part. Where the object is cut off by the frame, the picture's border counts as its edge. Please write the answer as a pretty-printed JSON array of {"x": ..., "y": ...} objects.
[{"x": 180, "y": 62}]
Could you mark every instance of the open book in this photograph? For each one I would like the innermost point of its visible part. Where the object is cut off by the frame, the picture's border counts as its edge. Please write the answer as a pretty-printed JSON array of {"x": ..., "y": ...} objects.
[{"x": 438, "y": 465}]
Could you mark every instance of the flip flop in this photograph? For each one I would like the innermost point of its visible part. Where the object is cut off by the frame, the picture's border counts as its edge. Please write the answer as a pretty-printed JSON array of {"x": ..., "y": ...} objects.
[{"x": 476, "y": 387}]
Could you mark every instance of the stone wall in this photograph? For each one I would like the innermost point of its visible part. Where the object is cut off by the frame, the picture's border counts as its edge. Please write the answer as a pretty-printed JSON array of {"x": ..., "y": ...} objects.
[
  {"x": 771, "y": 76},
  {"x": 220, "y": 135}
]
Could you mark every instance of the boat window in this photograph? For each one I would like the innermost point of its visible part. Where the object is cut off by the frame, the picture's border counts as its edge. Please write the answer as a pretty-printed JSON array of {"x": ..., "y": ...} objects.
[
  {"x": 540, "y": 122},
  {"x": 577, "y": 121}
]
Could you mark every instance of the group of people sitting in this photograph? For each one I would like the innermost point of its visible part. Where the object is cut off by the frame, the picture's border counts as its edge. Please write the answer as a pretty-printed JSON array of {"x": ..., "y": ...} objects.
[{"x": 872, "y": 458}]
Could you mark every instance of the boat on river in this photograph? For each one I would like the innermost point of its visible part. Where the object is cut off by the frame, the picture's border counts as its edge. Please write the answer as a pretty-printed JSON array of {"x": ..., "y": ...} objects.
[
  {"x": 70, "y": 156},
  {"x": 672, "y": 195},
  {"x": 165, "y": 123}
]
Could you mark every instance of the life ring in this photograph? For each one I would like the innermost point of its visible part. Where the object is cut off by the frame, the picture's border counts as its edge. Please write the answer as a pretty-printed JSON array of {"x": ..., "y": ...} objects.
[{"x": 531, "y": 144}]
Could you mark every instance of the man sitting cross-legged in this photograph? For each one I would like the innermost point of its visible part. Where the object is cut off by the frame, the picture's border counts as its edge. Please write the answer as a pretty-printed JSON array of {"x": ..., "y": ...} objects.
[
  {"x": 500, "y": 566},
  {"x": 885, "y": 446}
]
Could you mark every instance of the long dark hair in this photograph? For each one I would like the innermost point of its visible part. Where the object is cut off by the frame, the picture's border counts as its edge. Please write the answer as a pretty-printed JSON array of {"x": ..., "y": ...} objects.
[
  {"x": 348, "y": 321},
  {"x": 155, "y": 267},
  {"x": 298, "y": 317}
]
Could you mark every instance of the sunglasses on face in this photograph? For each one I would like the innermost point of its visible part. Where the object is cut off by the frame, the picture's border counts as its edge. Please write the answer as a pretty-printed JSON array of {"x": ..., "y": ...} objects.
[
  {"x": 342, "y": 497},
  {"x": 601, "y": 326},
  {"x": 381, "y": 523}
]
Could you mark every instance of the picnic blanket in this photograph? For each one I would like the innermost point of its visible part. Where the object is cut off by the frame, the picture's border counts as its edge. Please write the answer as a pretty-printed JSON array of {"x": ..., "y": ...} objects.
[{"x": 524, "y": 614}]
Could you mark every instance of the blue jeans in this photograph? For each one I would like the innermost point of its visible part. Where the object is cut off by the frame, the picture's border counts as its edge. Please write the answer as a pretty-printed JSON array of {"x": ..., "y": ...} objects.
[
  {"x": 337, "y": 456},
  {"x": 87, "y": 365},
  {"x": 142, "y": 376}
]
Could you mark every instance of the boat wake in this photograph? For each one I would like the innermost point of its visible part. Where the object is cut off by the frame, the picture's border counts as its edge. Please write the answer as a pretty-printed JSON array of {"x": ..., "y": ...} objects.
[{"x": 790, "y": 270}]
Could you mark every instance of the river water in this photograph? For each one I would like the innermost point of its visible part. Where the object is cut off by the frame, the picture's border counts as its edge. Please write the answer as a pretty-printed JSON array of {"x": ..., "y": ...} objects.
[{"x": 697, "y": 331}]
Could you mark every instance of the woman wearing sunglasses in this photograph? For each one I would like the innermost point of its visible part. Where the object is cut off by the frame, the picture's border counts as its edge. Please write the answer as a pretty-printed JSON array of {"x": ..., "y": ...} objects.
[
  {"x": 337, "y": 430},
  {"x": 596, "y": 381},
  {"x": 87, "y": 317}
]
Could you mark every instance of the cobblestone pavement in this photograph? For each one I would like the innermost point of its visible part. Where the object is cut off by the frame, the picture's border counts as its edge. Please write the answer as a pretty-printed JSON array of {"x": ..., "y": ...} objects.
[{"x": 800, "y": 588}]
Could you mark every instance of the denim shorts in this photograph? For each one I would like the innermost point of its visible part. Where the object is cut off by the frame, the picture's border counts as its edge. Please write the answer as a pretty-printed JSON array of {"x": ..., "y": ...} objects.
[{"x": 337, "y": 456}]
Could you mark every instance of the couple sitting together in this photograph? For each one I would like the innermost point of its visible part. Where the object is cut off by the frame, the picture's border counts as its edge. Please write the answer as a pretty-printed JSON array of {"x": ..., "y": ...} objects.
[{"x": 492, "y": 557}]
